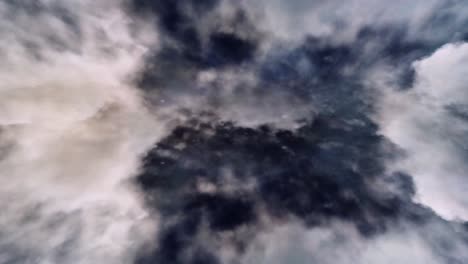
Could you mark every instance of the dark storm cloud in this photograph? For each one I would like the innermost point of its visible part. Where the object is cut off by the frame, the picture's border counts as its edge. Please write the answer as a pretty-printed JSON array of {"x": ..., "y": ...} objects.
[
  {"x": 325, "y": 170},
  {"x": 313, "y": 74},
  {"x": 331, "y": 156},
  {"x": 216, "y": 178},
  {"x": 202, "y": 48},
  {"x": 182, "y": 24}
]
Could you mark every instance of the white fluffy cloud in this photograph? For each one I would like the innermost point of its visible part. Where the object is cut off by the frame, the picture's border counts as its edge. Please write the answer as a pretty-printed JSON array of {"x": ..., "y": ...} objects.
[
  {"x": 72, "y": 130},
  {"x": 430, "y": 123}
]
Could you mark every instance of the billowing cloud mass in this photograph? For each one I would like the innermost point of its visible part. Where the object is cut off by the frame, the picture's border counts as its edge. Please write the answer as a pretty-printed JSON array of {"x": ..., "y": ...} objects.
[
  {"x": 233, "y": 132},
  {"x": 430, "y": 122},
  {"x": 72, "y": 129}
]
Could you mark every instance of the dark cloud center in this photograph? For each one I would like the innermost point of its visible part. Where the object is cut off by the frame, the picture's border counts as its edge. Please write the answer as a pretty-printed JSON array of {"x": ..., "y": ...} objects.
[{"x": 214, "y": 176}]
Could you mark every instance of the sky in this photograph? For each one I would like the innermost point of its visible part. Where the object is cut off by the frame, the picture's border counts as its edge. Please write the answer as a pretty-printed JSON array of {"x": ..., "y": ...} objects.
[{"x": 233, "y": 131}]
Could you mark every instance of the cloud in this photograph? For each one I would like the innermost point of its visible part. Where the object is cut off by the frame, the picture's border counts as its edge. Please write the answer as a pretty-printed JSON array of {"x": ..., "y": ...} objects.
[
  {"x": 429, "y": 122},
  {"x": 227, "y": 194},
  {"x": 284, "y": 64},
  {"x": 339, "y": 243},
  {"x": 210, "y": 131},
  {"x": 291, "y": 21},
  {"x": 281, "y": 112},
  {"x": 73, "y": 128}
]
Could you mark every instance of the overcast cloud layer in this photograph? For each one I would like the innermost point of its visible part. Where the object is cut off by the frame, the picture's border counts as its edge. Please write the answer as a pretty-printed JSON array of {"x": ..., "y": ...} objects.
[{"x": 233, "y": 132}]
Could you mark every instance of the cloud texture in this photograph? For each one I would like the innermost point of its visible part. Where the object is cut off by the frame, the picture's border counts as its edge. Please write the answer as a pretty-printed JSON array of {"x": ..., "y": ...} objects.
[{"x": 221, "y": 131}]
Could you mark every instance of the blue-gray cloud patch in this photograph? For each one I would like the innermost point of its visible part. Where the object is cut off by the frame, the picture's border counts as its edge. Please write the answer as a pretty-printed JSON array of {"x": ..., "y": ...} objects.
[{"x": 330, "y": 166}]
